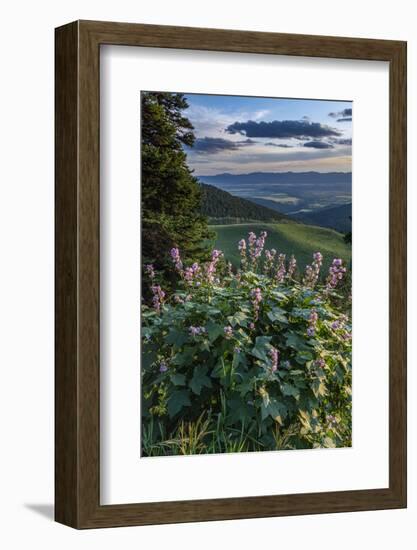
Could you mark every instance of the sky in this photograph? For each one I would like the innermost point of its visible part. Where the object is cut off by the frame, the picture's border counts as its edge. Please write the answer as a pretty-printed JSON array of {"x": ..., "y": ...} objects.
[{"x": 249, "y": 134}]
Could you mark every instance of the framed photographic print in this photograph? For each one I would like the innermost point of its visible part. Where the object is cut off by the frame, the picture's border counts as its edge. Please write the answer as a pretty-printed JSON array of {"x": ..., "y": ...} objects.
[{"x": 230, "y": 274}]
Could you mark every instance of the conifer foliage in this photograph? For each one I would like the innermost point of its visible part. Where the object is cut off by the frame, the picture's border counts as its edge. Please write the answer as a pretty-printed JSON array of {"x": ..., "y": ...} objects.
[{"x": 171, "y": 195}]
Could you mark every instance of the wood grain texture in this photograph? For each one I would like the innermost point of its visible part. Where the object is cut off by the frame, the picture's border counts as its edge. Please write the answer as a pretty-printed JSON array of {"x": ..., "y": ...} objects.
[
  {"x": 66, "y": 304},
  {"x": 78, "y": 285}
]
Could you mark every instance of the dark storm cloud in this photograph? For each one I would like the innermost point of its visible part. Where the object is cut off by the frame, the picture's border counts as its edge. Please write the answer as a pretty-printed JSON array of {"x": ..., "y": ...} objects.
[
  {"x": 215, "y": 145},
  {"x": 283, "y": 129},
  {"x": 343, "y": 141},
  {"x": 342, "y": 116},
  {"x": 318, "y": 145}
]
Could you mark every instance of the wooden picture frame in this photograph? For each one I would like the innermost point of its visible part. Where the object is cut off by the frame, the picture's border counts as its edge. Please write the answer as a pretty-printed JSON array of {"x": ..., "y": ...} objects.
[{"x": 77, "y": 408}]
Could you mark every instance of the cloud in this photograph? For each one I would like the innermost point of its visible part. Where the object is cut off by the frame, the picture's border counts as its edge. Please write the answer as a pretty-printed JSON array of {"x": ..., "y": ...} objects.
[
  {"x": 283, "y": 129},
  {"x": 318, "y": 145},
  {"x": 211, "y": 121},
  {"x": 281, "y": 145},
  {"x": 342, "y": 116},
  {"x": 211, "y": 145},
  {"x": 343, "y": 141}
]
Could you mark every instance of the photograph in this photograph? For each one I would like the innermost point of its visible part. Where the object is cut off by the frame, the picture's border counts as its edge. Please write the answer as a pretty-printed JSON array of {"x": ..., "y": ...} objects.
[{"x": 246, "y": 235}]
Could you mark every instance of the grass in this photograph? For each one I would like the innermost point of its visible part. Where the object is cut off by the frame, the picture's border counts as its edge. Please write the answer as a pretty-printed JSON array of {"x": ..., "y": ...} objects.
[{"x": 288, "y": 238}]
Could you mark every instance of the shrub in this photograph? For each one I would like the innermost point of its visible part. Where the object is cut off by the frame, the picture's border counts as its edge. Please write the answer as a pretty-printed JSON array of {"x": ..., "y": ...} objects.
[{"x": 258, "y": 359}]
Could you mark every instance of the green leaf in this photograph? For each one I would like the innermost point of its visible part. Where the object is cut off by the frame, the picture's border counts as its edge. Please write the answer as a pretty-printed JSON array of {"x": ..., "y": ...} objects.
[
  {"x": 178, "y": 379},
  {"x": 303, "y": 357},
  {"x": 147, "y": 360},
  {"x": 245, "y": 387},
  {"x": 279, "y": 295},
  {"x": 205, "y": 346},
  {"x": 236, "y": 360},
  {"x": 318, "y": 387},
  {"x": 339, "y": 374},
  {"x": 177, "y": 400},
  {"x": 176, "y": 337},
  {"x": 199, "y": 379},
  {"x": 238, "y": 318},
  {"x": 275, "y": 410},
  {"x": 290, "y": 390},
  {"x": 214, "y": 330},
  {"x": 185, "y": 357},
  {"x": 277, "y": 314},
  {"x": 262, "y": 346},
  {"x": 296, "y": 342},
  {"x": 238, "y": 411}
]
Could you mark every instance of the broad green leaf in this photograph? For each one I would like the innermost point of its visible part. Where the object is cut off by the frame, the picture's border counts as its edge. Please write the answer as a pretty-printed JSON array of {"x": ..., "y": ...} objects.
[
  {"x": 275, "y": 410},
  {"x": 178, "y": 379},
  {"x": 147, "y": 360},
  {"x": 239, "y": 318},
  {"x": 176, "y": 337},
  {"x": 296, "y": 342},
  {"x": 290, "y": 390},
  {"x": 303, "y": 356},
  {"x": 200, "y": 379},
  {"x": 177, "y": 400},
  {"x": 245, "y": 387},
  {"x": 262, "y": 346},
  {"x": 219, "y": 370},
  {"x": 239, "y": 411},
  {"x": 205, "y": 346},
  {"x": 185, "y": 357},
  {"x": 214, "y": 330},
  {"x": 277, "y": 314}
]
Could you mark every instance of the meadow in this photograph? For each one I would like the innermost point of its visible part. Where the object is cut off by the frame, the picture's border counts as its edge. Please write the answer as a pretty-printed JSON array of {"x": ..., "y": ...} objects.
[{"x": 287, "y": 238}]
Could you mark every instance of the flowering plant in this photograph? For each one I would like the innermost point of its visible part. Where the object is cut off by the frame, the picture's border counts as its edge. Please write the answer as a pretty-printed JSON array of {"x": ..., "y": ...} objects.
[{"x": 257, "y": 359}]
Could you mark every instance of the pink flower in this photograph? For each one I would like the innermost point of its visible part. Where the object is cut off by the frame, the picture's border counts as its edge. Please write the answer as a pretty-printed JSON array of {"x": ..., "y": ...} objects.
[
  {"x": 292, "y": 266},
  {"x": 312, "y": 323},
  {"x": 163, "y": 367},
  {"x": 256, "y": 300},
  {"x": 336, "y": 273},
  {"x": 242, "y": 249},
  {"x": 175, "y": 255},
  {"x": 211, "y": 266},
  {"x": 158, "y": 297},
  {"x": 281, "y": 268},
  {"x": 312, "y": 271},
  {"x": 270, "y": 257},
  {"x": 256, "y": 246},
  {"x": 196, "y": 331},
  {"x": 274, "y": 355},
  {"x": 150, "y": 271}
]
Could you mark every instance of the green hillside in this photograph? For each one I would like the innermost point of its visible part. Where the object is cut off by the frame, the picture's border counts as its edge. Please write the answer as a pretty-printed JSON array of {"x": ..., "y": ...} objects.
[
  {"x": 335, "y": 217},
  {"x": 288, "y": 238},
  {"x": 223, "y": 208}
]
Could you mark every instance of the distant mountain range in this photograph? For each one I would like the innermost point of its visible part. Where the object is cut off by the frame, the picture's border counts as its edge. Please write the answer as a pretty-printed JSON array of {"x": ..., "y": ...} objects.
[{"x": 298, "y": 178}]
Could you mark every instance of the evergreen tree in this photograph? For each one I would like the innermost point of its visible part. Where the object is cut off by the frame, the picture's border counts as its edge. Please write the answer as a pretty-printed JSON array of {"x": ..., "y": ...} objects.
[{"x": 171, "y": 195}]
